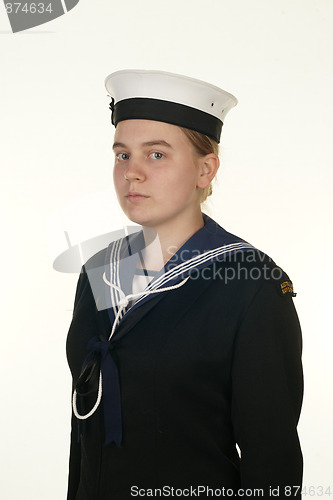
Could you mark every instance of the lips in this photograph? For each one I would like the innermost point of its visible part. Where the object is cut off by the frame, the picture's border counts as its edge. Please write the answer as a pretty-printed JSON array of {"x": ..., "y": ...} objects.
[{"x": 135, "y": 196}]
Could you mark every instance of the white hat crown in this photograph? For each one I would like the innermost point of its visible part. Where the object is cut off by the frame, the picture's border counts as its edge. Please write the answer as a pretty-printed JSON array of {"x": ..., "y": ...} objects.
[{"x": 131, "y": 87}]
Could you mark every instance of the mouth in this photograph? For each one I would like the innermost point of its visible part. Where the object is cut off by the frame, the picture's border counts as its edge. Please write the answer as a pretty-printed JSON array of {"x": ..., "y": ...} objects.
[{"x": 134, "y": 196}]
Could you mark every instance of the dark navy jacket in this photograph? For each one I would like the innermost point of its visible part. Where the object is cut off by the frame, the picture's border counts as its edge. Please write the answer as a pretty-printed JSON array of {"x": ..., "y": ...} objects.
[{"x": 203, "y": 367}]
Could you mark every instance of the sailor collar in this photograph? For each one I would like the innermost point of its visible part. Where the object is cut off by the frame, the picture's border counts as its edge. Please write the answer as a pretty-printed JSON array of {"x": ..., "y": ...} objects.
[{"x": 208, "y": 245}]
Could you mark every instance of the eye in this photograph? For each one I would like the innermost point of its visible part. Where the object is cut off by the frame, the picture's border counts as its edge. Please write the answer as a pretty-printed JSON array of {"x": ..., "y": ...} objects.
[
  {"x": 157, "y": 156},
  {"x": 122, "y": 156}
]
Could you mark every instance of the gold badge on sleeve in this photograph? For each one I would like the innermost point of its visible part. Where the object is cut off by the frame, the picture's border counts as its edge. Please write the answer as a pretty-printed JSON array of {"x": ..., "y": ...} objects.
[{"x": 286, "y": 288}]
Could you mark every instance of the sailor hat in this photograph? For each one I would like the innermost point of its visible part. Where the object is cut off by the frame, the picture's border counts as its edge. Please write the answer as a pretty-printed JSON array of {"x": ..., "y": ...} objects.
[{"x": 171, "y": 98}]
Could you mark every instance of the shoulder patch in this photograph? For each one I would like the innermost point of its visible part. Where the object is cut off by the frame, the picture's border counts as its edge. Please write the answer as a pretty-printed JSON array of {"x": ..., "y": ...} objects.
[{"x": 286, "y": 288}]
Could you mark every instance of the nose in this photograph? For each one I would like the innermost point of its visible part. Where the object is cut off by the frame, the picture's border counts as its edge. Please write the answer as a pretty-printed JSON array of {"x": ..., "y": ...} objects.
[{"x": 134, "y": 171}]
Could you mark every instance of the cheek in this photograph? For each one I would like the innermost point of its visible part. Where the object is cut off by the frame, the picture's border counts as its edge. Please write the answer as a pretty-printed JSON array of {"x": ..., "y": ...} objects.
[
  {"x": 177, "y": 189},
  {"x": 118, "y": 178},
  {"x": 185, "y": 179},
  {"x": 182, "y": 176}
]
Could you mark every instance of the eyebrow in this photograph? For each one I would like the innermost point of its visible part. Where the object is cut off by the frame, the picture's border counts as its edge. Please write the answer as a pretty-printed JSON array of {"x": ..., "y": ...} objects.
[{"x": 157, "y": 142}]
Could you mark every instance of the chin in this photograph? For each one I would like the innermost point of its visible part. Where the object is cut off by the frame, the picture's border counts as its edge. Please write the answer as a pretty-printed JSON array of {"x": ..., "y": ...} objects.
[
  {"x": 139, "y": 219},
  {"x": 148, "y": 218}
]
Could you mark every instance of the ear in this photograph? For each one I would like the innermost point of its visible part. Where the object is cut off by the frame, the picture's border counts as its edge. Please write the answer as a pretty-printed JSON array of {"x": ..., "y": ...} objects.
[{"x": 208, "y": 167}]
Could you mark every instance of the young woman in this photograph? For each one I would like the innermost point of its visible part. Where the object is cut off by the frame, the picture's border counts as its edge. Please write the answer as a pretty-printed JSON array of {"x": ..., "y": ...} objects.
[{"x": 185, "y": 347}]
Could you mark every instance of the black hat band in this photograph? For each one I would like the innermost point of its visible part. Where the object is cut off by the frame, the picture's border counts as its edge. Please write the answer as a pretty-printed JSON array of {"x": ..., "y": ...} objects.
[{"x": 169, "y": 112}]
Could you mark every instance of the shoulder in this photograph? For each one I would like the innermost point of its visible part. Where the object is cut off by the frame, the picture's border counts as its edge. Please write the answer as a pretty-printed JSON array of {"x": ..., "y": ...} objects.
[
  {"x": 245, "y": 273},
  {"x": 116, "y": 250},
  {"x": 237, "y": 261},
  {"x": 97, "y": 260}
]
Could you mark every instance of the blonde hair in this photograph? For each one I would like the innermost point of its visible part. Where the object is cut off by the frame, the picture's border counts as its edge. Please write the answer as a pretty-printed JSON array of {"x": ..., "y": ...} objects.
[{"x": 203, "y": 145}]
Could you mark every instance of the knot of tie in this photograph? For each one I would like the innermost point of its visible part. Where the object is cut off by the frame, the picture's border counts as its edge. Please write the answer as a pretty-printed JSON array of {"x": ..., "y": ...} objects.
[{"x": 98, "y": 345}]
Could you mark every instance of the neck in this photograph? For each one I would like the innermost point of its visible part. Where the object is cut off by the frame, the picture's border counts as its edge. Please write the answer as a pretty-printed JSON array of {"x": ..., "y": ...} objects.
[{"x": 165, "y": 240}]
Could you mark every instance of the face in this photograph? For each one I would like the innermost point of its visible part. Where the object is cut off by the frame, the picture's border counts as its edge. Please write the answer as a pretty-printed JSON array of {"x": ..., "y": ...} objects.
[{"x": 156, "y": 173}]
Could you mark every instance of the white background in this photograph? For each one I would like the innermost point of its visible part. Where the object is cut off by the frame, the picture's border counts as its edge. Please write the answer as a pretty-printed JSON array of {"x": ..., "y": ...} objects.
[{"x": 274, "y": 187}]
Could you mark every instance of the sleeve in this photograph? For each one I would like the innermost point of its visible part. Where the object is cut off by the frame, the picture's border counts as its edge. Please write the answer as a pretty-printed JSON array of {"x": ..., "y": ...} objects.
[
  {"x": 267, "y": 392},
  {"x": 75, "y": 448},
  {"x": 74, "y": 461}
]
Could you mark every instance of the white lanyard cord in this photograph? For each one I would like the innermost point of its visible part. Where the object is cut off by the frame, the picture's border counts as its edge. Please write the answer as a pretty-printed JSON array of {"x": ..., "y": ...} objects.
[{"x": 123, "y": 302}]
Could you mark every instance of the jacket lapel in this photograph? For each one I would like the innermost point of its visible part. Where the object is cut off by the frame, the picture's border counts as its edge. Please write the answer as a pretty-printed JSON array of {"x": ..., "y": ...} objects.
[
  {"x": 131, "y": 318},
  {"x": 190, "y": 292}
]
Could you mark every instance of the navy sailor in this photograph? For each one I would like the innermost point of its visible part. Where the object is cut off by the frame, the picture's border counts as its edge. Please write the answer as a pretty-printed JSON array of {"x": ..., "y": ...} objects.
[{"x": 185, "y": 346}]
